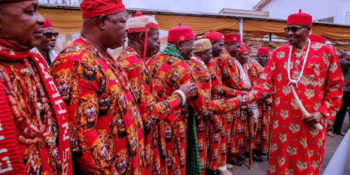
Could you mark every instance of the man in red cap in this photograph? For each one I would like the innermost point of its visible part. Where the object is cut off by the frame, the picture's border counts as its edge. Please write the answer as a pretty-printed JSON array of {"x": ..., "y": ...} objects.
[
  {"x": 264, "y": 104},
  {"x": 307, "y": 82},
  {"x": 169, "y": 72},
  {"x": 217, "y": 42},
  {"x": 34, "y": 127},
  {"x": 105, "y": 123},
  {"x": 260, "y": 129},
  {"x": 48, "y": 42},
  {"x": 143, "y": 42},
  {"x": 248, "y": 72},
  {"x": 220, "y": 54},
  {"x": 219, "y": 105},
  {"x": 263, "y": 56},
  {"x": 236, "y": 141}
]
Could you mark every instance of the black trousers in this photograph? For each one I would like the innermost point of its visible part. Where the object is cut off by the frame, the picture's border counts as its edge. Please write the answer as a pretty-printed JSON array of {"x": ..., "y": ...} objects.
[{"x": 339, "y": 119}]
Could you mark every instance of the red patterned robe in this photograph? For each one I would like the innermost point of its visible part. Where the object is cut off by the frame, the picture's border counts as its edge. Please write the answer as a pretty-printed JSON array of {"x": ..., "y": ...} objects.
[
  {"x": 237, "y": 138},
  {"x": 297, "y": 148},
  {"x": 151, "y": 109},
  {"x": 106, "y": 126},
  {"x": 169, "y": 72},
  {"x": 261, "y": 138},
  {"x": 21, "y": 72},
  {"x": 217, "y": 145},
  {"x": 217, "y": 106}
]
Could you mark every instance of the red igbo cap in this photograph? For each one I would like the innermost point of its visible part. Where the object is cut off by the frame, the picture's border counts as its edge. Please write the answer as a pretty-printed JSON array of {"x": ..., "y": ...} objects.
[
  {"x": 214, "y": 36},
  {"x": 299, "y": 19},
  {"x": 232, "y": 37},
  {"x": 47, "y": 23},
  {"x": 243, "y": 48},
  {"x": 180, "y": 33},
  {"x": 93, "y": 8},
  {"x": 317, "y": 38},
  {"x": 263, "y": 50}
]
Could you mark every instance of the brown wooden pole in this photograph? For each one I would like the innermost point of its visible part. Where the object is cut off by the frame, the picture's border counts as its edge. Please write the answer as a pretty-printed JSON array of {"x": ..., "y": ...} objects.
[{"x": 250, "y": 141}]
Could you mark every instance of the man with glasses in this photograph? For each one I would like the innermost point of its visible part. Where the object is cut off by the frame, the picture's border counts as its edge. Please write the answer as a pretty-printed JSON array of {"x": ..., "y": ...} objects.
[
  {"x": 48, "y": 42},
  {"x": 307, "y": 85}
]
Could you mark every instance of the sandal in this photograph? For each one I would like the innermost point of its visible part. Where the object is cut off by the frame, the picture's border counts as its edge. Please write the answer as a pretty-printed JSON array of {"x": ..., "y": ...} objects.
[{"x": 330, "y": 133}]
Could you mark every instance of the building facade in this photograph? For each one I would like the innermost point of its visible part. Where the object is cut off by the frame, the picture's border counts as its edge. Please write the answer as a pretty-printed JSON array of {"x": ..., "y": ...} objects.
[{"x": 328, "y": 11}]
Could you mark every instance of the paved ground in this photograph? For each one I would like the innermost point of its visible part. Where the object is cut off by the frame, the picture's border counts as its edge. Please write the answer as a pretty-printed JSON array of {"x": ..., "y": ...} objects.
[{"x": 260, "y": 168}]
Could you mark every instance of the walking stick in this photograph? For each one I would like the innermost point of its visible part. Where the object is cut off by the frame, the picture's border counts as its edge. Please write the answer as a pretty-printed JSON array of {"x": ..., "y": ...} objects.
[
  {"x": 270, "y": 130},
  {"x": 250, "y": 141}
]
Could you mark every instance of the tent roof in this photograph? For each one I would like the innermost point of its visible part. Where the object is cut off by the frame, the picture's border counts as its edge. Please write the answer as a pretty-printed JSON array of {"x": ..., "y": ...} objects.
[{"x": 68, "y": 20}]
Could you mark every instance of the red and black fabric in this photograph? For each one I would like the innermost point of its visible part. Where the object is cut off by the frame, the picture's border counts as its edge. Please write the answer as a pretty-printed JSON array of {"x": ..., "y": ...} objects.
[
  {"x": 14, "y": 150},
  {"x": 151, "y": 108},
  {"x": 168, "y": 73},
  {"x": 104, "y": 120}
]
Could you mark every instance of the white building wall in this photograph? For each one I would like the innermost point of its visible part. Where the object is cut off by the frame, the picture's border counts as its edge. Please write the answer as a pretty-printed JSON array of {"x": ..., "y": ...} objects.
[
  {"x": 344, "y": 12},
  {"x": 319, "y": 9}
]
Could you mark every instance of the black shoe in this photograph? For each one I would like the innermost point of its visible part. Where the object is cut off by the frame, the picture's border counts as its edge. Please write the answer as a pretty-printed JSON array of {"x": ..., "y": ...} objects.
[
  {"x": 257, "y": 158},
  {"x": 237, "y": 163},
  {"x": 264, "y": 153},
  {"x": 246, "y": 154},
  {"x": 211, "y": 172}
]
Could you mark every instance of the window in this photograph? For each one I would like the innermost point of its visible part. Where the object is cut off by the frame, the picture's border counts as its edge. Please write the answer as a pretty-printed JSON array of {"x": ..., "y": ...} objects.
[
  {"x": 327, "y": 20},
  {"x": 347, "y": 18}
]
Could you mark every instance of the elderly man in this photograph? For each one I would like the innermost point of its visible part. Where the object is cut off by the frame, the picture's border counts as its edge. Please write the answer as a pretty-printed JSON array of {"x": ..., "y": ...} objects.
[
  {"x": 169, "y": 71},
  {"x": 204, "y": 67},
  {"x": 105, "y": 123},
  {"x": 263, "y": 56},
  {"x": 260, "y": 129},
  {"x": 48, "y": 42},
  {"x": 232, "y": 77},
  {"x": 34, "y": 122},
  {"x": 220, "y": 55},
  {"x": 307, "y": 82},
  {"x": 264, "y": 104},
  {"x": 143, "y": 41}
]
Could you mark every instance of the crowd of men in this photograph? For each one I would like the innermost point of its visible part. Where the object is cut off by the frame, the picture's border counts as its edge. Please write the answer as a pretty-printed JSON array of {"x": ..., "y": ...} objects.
[{"x": 199, "y": 106}]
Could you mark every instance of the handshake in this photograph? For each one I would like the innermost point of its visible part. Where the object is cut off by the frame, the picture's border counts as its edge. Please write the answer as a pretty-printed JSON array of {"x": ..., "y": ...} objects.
[{"x": 243, "y": 99}]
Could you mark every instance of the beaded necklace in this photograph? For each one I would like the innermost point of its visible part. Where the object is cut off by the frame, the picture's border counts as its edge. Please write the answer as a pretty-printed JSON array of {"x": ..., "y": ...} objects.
[
  {"x": 33, "y": 126},
  {"x": 304, "y": 63}
]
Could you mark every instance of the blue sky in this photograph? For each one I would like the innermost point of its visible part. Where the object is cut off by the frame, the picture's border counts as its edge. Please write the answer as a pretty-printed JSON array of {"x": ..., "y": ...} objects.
[{"x": 209, "y": 6}]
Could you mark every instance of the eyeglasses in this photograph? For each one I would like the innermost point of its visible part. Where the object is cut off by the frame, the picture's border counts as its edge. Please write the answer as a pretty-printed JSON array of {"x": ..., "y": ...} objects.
[
  {"x": 294, "y": 28},
  {"x": 50, "y": 34}
]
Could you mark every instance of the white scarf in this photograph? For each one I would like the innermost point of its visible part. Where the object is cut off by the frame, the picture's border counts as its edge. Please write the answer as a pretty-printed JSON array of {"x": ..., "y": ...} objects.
[
  {"x": 245, "y": 78},
  {"x": 52, "y": 54},
  {"x": 243, "y": 74}
]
